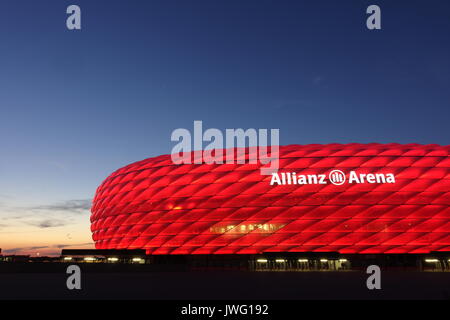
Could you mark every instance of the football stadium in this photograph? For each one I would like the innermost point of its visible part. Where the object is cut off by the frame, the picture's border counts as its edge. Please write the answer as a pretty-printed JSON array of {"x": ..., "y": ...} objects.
[{"x": 325, "y": 201}]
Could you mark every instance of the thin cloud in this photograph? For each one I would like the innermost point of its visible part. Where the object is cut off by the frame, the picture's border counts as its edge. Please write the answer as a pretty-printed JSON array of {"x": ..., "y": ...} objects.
[
  {"x": 46, "y": 216},
  {"x": 48, "y": 223},
  {"x": 59, "y": 165},
  {"x": 62, "y": 246},
  {"x": 73, "y": 206},
  {"x": 20, "y": 249},
  {"x": 317, "y": 80}
]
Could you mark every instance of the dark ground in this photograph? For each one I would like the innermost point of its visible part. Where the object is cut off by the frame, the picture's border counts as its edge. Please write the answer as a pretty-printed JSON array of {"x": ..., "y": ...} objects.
[{"x": 137, "y": 282}]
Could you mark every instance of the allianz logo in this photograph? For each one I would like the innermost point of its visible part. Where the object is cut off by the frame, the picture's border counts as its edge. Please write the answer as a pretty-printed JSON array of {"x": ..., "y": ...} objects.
[{"x": 336, "y": 177}]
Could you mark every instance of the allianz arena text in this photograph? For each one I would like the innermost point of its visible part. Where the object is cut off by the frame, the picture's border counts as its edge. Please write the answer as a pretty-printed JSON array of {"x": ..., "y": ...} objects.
[{"x": 346, "y": 198}]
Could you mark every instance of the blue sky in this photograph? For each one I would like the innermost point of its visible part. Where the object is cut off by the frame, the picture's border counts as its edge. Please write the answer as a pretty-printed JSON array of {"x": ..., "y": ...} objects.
[{"x": 77, "y": 105}]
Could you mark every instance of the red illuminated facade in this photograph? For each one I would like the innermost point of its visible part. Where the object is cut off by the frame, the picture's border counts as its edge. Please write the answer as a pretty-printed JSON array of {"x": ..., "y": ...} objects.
[{"x": 233, "y": 209}]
